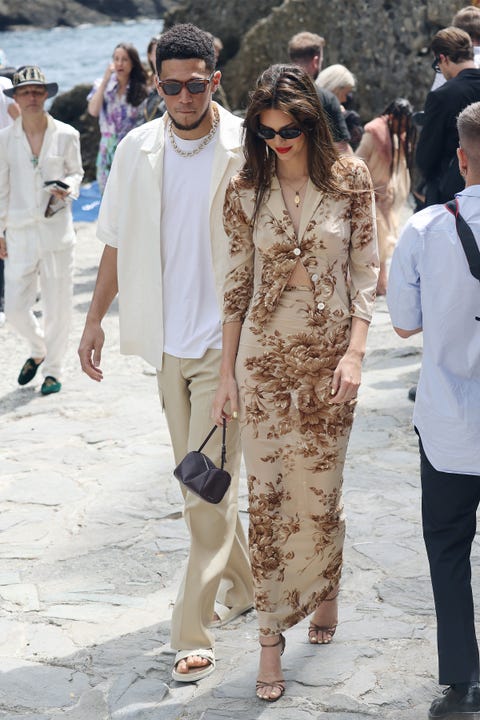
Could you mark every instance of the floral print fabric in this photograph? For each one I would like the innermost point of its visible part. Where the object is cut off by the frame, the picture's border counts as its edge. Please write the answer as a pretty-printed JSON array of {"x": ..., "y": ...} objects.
[
  {"x": 116, "y": 119},
  {"x": 294, "y": 441}
]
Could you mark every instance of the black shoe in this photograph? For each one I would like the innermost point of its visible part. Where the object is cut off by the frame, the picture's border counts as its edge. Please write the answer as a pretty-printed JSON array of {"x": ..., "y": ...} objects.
[
  {"x": 28, "y": 371},
  {"x": 457, "y": 705},
  {"x": 412, "y": 393}
]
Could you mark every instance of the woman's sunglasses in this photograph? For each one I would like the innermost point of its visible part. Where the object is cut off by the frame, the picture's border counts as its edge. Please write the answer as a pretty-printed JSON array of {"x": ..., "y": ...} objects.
[
  {"x": 287, "y": 133},
  {"x": 194, "y": 86}
]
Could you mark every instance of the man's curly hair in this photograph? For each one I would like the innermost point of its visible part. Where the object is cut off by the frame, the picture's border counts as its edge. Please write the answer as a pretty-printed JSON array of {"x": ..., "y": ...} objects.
[{"x": 185, "y": 42}]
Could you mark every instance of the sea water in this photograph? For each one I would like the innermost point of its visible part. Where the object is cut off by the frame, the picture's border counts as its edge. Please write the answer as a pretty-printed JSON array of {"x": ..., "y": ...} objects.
[{"x": 70, "y": 56}]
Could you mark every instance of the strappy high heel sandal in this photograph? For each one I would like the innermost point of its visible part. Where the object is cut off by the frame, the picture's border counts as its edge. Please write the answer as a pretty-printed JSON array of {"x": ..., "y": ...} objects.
[
  {"x": 328, "y": 631},
  {"x": 274, "y": 684}
]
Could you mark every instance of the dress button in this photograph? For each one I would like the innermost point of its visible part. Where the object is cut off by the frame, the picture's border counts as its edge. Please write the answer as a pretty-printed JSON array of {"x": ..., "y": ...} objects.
[
  {"x": 320, "y": 306},
  {"x": 297, "y": 251},
  {"x": 315, "y": 277}
]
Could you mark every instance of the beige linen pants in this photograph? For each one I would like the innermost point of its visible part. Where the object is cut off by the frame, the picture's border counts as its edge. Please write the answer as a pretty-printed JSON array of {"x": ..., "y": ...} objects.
[{"x": 218, "y": 566}]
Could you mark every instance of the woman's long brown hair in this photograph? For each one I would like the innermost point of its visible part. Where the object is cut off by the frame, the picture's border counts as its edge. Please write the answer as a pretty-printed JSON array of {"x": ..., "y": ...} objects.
[
  {"x": 137, "y": 91},
  {"x": 287, "y": 88}
]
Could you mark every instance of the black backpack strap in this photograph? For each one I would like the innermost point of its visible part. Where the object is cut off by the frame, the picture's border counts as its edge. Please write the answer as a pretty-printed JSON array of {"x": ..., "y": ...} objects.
[{"x": 467, "y": 238}]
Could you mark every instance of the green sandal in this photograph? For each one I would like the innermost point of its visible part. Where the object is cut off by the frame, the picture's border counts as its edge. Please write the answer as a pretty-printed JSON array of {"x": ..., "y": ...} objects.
[{"x": 50, "y": 385}]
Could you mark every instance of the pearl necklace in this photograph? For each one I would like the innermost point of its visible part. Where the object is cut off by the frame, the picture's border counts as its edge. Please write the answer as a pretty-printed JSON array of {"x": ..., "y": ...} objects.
[
  {"x": 296, "y": 199},
  {"x": 203, "y": 144}
]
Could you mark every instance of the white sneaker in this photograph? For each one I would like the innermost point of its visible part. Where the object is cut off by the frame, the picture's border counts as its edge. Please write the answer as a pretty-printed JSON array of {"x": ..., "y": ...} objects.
[{"x": 2, "y": 319}]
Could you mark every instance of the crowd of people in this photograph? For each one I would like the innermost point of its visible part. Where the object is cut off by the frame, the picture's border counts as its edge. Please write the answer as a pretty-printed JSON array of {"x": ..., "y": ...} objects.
[{"x": 260, "y": 245}]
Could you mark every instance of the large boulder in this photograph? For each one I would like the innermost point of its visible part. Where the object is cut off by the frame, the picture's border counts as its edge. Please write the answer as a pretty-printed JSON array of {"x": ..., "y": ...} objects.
[
  {"x": 71, "y": 108},
  {"x": 227, "y": 19},
  {"x": 52, "y": 13}
]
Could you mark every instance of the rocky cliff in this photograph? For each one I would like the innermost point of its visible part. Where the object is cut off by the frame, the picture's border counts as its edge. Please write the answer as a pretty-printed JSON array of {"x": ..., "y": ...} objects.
[
  {"x": 52, "y": 13},
  {"x": 383, "y": 42}
]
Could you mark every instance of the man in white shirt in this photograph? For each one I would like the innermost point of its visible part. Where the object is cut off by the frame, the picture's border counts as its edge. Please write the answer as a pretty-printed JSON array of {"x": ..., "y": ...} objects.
[
  {"x": 431, "y": 289},
  {"x": 165, "y": 247},
  {"x": 36, "y": 226},
  {"x": 9, "y": 111}
]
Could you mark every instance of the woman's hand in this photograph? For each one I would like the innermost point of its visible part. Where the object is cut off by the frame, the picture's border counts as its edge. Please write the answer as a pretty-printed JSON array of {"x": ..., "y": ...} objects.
[
  {"x": 347, "y": 377},
  {"x": 108, "y": 72},
  {"x": 227, "y": 394}
]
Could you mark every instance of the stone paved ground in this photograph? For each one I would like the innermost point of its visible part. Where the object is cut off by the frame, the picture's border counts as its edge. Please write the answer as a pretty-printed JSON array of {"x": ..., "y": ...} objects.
[{"x": 92, "y": 543}]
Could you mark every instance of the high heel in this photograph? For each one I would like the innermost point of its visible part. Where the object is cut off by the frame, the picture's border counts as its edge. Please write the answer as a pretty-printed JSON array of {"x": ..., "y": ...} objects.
[
  {"x": 274, "y": 684},
  {"x": 328, "y": 631}
]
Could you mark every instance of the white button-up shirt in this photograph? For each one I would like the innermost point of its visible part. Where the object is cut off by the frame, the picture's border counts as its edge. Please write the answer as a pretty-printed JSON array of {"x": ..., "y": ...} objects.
[{"x": 430, "y": 286}]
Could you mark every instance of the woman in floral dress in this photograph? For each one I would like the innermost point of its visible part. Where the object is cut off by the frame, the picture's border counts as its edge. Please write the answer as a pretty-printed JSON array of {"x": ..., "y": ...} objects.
[
  {"x": 299, "y": 293},
  {"x": 118, "y": 100}
]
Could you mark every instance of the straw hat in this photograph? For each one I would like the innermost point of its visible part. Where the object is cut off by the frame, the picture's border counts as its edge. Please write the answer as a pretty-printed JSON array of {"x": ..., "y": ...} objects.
[{"x": 30, "y": 75}]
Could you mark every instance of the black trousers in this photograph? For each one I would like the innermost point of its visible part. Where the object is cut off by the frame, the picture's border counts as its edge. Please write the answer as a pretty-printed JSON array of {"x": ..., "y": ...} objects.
[
  {"x": 449, "y": 514},
  {"x": 2, "y": 287}
]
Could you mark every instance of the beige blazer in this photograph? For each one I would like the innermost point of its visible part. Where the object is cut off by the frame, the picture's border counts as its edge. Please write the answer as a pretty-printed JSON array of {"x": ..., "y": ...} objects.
[
  {"x": 129, "y": 220},
  {"x": 336, "y": 243}
]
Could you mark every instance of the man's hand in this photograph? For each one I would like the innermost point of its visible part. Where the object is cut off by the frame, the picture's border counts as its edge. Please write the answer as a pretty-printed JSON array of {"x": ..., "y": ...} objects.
[
  {"x": 90, "y": 350},
  {"x": 3, "y": 248}
]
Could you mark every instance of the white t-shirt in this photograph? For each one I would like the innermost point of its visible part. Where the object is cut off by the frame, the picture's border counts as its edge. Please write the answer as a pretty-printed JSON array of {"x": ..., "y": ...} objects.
[
  {"x": 5, "y": 119},
  {"x": 191, "y": 319}
]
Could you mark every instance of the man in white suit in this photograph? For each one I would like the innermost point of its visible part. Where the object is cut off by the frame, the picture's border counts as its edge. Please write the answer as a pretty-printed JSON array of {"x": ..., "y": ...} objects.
[
  {"x": 40, "y": 171},
  {"x": 161, "y": 222}
]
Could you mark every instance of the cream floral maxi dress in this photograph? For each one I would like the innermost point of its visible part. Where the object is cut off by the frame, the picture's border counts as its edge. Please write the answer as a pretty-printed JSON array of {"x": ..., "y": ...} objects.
[{"x": 294, "y": 442}]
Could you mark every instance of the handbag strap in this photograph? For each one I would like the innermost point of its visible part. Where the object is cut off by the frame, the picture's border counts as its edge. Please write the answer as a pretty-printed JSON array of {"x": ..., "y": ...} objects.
[
  {"x": 467, "y": 238},
  {"x": 224, "y": 441}
]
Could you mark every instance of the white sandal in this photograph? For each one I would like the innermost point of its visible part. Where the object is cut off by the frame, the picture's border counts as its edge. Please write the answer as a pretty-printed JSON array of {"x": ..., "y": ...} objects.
[
  {"x": 226, "y": 614},
  {"x": 198, "y": 673}
]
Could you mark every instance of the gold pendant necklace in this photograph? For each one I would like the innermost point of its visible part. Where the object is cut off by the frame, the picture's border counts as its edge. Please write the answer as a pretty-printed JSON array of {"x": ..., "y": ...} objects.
[{"x": 296, "y": 198}]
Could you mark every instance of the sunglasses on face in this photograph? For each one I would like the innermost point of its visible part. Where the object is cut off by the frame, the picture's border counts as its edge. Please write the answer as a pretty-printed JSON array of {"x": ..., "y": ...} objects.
[
  {"x": 436, "y": 65},
  {"x": 286, "y": 133},
  {"x": 194, "y": 86}
]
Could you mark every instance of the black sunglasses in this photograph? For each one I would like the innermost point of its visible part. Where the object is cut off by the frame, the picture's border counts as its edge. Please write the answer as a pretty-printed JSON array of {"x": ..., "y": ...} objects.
[
  {"x": 287, "y": 133},
  {"x": 435, "y": 65},
  {"x": 194, "y": 86}
]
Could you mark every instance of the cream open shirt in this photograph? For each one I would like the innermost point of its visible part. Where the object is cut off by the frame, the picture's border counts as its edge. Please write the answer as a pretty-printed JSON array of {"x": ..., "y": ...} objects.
[
  {"x": 129, "y": 220},
  {"x": 23, "y": 198}
]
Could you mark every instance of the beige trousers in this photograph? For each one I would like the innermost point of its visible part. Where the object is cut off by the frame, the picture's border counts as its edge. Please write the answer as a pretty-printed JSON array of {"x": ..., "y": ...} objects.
[{"x": 218, "y": 566}]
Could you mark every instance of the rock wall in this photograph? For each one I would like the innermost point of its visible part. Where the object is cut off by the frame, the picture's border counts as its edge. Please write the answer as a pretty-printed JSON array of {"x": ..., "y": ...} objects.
[
  {"x": 52, "y": 13},
  {"x": 383, "y": 42},
  {"x": 227, "y": 19},
  {"x": 71, "y": 107}
]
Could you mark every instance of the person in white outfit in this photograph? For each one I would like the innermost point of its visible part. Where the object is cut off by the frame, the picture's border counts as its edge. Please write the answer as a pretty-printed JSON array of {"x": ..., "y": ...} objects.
[
  {"x": 165, "y": 255},
  {"x": 40, "y": 171},
  {"x": 9, "y": 111}
]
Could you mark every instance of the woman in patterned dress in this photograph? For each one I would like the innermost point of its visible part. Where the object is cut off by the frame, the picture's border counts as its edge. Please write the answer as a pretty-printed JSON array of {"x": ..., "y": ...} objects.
[
  {"x": 299, "y": 293},
  {"x": 118, "y": 100}
]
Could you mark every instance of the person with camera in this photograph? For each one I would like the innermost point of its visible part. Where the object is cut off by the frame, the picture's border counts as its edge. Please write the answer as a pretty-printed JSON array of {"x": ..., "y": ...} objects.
[
  {"x": 165, "y": 254},
  {"x": 40, "y": 171}
]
